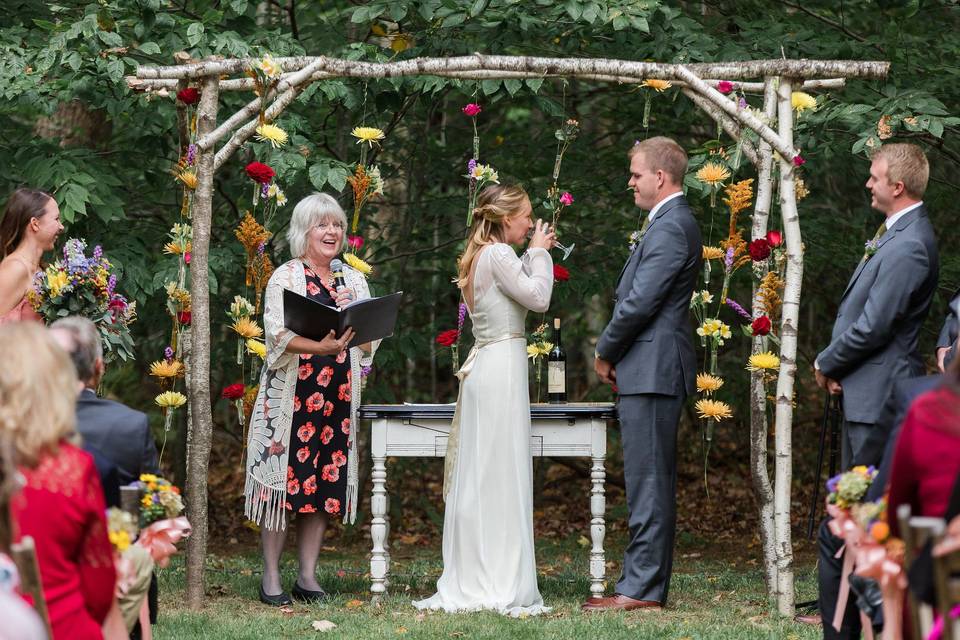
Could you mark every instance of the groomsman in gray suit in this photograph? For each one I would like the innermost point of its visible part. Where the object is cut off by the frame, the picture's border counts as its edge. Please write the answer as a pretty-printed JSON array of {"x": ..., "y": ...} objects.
[
  {"x": 947, "y": 340},
  {"x": 875, "y": 334},
  {"x": 647, "y": 351}
]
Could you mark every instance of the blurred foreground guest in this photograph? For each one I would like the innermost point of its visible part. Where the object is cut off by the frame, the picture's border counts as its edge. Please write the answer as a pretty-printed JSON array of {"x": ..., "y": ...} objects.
[
  {"x": 61, "y": 505},
  {"x": 30, "y": 226}
]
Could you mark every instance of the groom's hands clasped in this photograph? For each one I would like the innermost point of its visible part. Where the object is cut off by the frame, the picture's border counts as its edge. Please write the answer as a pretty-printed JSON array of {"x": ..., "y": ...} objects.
[{"x": 605, "y": 370}]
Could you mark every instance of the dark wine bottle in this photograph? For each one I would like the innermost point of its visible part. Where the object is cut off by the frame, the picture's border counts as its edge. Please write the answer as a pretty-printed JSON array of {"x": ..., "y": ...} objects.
[{"x": 557, "y": 368}]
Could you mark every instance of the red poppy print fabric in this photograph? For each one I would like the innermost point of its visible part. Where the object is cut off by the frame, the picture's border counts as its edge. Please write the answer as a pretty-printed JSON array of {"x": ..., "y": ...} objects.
[{"x": 316, "y": 473}]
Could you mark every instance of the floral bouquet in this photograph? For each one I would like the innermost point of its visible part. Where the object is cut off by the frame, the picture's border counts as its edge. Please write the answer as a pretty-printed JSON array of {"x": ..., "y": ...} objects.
[
  {"x": 121, "y": 529},
  {"x": 159, "y": 500},
  {"x": 82, "y": 286},
  {"x": 848, "y": 488}
]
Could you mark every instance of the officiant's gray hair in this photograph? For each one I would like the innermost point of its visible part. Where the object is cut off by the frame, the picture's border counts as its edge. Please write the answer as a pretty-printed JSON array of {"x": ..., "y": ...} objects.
[{"x": 309, "y": 212}]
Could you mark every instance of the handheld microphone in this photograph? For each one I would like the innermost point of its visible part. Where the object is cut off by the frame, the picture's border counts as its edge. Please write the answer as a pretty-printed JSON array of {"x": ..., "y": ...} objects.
[{"x": 336, "y": 268}]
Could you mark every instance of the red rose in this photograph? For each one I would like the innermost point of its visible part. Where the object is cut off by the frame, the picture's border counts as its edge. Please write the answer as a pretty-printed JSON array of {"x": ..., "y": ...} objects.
[
  {"x": 184, "y": 317},
  {"x": 761, "y": 326},
  {"x": 233, "y": 391},
  {"x": 190, "y": 95},
  {"x": 774, "y": 238},
  {"x": 260, "y": 172},
  {"x": 448, "y": 338},
  {"x": 560, "y": 274},
  {"x": 798, "y": 160},
  {"x": 186, "y": 257},
  {"x": 472, "y": 109},
  {"x": 725, "y": 86},
  {"x": 759, "y": 249}
]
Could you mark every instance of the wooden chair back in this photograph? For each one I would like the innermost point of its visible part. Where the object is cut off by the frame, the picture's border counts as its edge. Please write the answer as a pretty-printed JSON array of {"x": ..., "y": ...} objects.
[
  {"x": 916, "y": 531},
  {"x": 24, "y": 554},
  {"x": 946, "y": 583}
]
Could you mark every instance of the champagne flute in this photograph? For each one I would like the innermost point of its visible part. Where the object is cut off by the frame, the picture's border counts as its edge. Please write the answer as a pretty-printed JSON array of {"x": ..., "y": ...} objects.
[{"x": 556, "y": 243}]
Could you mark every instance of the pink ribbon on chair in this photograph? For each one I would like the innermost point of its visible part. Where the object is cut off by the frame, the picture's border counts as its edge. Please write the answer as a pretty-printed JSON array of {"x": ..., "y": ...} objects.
[
  {"x": 873, "y": 561},
  {"x": 161, "y": 537},
  {"x": 847, "y": 530}
]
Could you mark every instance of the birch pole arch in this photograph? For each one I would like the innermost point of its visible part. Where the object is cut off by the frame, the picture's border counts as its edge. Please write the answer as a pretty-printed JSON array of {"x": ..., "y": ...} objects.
[{"x": 773, "y": 153}]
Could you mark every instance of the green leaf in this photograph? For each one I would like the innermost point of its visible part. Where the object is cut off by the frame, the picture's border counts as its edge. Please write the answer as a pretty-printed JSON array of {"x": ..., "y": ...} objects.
[
  {"x": 318, "y": 174},
  {"x": 150, "y": 48},
  {"x": 194, "y": 33},
  {"x": 513, "y": 85},
  {"x": 337, "y": 178},
  {"x": 936, "y": 128},
  {"x": 573, "y": 9},
  {"x": 490, "y": 87},
  {"x": 110, "y": 38},
  {"x": 534, "y": 84}
]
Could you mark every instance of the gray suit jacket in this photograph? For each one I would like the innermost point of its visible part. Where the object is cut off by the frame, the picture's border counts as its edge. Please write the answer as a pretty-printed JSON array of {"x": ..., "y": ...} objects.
[
  {"x": 882, "y": 310},
  {"x": 948, "y": 333},
  {"x": 118, "y": 432},
  {"x": 649, "y": 336}
]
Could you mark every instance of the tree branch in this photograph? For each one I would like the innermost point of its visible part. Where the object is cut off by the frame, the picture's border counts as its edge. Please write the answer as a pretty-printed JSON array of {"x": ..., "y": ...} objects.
[
  {"x": 733, "y": 128},
  {"x": 833, "y": 23}
]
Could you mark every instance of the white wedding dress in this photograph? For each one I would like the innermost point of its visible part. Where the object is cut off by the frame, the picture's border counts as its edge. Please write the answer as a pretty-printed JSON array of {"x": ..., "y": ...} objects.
[{"x": 488, "y": 555}]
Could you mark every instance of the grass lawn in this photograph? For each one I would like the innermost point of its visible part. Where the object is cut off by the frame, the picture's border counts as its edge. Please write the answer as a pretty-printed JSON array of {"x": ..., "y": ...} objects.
[{"x": 713, "y": 595}]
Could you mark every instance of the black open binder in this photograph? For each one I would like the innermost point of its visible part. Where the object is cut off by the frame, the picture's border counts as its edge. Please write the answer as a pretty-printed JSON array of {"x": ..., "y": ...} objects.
[{"x": 371, "y": 318}]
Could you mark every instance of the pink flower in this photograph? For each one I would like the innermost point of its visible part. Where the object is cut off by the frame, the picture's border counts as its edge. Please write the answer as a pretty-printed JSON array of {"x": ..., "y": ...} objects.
[
  {"x": 472, "y": 109},
  {"x": 338, "y": 458},
  {"x": 566, "y": 199},
  {"x": 798, "y": 160},
  {"x": 302, "y": 454},
  {"x": 310, "y": 486},
  {"x": 306, "y": 432},
  {"x": 326, "y": 435},
  {"x": 314, "y": 402},
  {"x": 725, "y": 86},
  {"x": 305, "y": 371},
  {"x": 345, "y": 426},
  {"x": 186, "y": 257},
  {"x": 332, "y": 506},
  {"x": 355, "y": 242},
  {"x": 330, "y": 473}
]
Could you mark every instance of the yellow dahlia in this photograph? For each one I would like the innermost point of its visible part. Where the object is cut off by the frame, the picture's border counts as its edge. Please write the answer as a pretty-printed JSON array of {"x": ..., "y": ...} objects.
[
  {"x": 713, "y": 253},
  {"x": 538, "y": 349},
  {"x": 370, "y": 135},
  {"x": 56, "y": 281},
  {"x": 257, "y": 348},
  {"x": 188, "y": 178},
  {"x": 358, "y": 264},
  {"x": 176, "y": 248},
  {"x": 707, "y": 383},
  {"x": 713, "y": 173},
  {"x": 764, "y": 360},
  {"x": 269, "y": 66},
  {"x": 657, "y": 85},
  {"x": 247, "y": 328},
  {"x": 713, "y": 410},
  {"x": 166, "y": 369},
  {"x": 273, "y": 134},
  {"x": 803, "y": 101},
  {"x": 170, "y": 400}
]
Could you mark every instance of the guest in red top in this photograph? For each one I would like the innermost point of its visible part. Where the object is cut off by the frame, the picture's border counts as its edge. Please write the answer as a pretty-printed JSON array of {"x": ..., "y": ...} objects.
[
  {"x": 61, "y": 504},
  {"x": 926, "y": 460}
]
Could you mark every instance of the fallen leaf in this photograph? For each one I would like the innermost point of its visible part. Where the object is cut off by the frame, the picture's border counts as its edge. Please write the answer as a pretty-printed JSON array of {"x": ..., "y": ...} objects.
[
  {"x": 401, "y": 629},
  {"x": 583, "y": 541},
  {"x": 323, "y": 625},
  {"x": 354, "y": 604},
  {"x": 341, "y": 573},
  {"x": 286, "y": 610}
]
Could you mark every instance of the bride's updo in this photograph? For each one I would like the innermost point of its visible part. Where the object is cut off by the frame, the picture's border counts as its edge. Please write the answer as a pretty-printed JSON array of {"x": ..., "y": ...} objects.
[{"x": 495, "y": 204}]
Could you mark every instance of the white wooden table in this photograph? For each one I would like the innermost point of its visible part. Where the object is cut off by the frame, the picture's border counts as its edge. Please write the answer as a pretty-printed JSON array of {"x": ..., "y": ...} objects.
[{"x": 421, "y": 430}]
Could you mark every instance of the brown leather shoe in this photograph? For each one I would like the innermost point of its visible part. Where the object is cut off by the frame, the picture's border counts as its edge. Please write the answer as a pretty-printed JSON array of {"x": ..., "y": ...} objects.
[
  {"x": 618, "y": 602},
  {"x": 811, "y": 619}
]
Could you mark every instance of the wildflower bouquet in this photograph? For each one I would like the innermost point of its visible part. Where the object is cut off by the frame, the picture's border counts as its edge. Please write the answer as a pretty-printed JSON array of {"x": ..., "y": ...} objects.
[
  {"x": 121, "y": 529},
  {"x": 848, "y": 488},
  {"x": 82, "y": 286},
  {"x": 159, "y": 500}
]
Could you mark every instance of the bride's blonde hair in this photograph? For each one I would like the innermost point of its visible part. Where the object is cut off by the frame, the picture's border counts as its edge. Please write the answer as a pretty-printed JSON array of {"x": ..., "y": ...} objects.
[{"x": 495, "y": 204}]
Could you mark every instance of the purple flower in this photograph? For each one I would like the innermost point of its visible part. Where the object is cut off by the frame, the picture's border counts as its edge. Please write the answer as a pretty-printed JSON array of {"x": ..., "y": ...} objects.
[
  {"x": 264, "y": 189},
  {"x": 168, "y": 353},
  {"x": 740, "y": 310},
  {"x": 461, "y": 315},
  {"x": 471, "y": 166},
  {"x": 111, "y": 284},
  {"x": 728, "y": 260},
  {"x": 260, "y": 248},
  {"x": 97, "y": 252},
  {"x": 191, "y": 154},
  {"x": 365, "y": 370},
  {"x": 742, "y": 102},
  {"x": 832, "y": 484}
]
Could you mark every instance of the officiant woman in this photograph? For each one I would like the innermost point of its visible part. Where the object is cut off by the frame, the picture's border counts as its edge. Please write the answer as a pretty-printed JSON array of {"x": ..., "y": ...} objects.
[{"x": 302, "y": 450}]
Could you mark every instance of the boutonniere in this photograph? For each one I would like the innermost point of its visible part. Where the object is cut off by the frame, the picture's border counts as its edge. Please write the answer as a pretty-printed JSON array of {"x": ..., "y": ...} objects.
[
  {"x": 634, "y": 239},
  {"x": 870, "y": 248}
]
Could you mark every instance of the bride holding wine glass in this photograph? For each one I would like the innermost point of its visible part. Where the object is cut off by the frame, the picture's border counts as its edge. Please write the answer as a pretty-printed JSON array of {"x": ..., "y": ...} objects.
[{"x": 488, "y": 551}]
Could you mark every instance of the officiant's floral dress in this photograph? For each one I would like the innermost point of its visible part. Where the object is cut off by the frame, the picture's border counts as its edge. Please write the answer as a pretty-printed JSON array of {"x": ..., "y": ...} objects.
[{"x": 316, "y": 466}]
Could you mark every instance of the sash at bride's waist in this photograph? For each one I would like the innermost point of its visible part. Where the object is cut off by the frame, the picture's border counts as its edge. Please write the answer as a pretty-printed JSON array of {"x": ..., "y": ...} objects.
[{"x": 480, "y": 344}]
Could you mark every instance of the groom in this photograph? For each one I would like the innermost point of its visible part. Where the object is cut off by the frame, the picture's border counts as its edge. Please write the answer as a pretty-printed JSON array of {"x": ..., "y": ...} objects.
[{"x": 647, "y": 351}]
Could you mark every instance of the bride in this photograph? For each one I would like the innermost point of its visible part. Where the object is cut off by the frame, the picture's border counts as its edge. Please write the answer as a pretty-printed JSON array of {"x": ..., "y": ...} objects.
[{"x": 488, "y": 557}]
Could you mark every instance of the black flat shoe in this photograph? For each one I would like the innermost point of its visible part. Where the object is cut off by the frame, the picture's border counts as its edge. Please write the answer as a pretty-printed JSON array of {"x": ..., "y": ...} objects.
[
  {"x": 306, "y": 595},
  {"x": 278, "y": 600}
]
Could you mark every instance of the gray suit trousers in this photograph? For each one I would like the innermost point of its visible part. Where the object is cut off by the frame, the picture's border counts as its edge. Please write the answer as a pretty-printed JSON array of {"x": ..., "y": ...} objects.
[
  {"x": 648, "y": 427},
  {"x": 861, "y": 443}
]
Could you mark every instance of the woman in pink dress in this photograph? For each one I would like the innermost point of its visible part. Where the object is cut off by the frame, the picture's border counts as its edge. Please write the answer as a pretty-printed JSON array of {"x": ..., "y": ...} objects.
[{"x": 30, "y": 226}]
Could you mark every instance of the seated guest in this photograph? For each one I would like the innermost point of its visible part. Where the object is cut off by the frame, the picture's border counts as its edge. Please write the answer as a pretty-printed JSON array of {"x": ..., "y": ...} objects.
[
  {"x": 61, "y": 504},
  {"x": 947, "y": 340},
  {"x": 30, "y": 226},
  {"x": 116, "y": 431}
]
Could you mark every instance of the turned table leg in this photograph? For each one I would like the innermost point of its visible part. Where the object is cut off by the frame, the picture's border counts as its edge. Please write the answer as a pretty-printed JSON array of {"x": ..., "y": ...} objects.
[
  {"x": 598, "y": 503},
  {"x": 378, "y": 509}
]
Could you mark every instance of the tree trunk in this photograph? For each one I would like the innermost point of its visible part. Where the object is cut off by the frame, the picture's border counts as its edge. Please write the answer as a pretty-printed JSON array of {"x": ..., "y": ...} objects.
[
  {"x": 788, "y": 355},
  {"x": 758, "y": 392},
  {"x": 201, "y": 434}
]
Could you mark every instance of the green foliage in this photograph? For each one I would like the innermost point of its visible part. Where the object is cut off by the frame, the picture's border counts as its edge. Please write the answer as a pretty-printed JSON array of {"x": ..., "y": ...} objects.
[{"x": 72, "y": 126}]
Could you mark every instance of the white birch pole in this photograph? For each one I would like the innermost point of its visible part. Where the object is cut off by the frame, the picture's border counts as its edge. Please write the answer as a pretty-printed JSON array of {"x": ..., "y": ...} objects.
[
  {"x": 758, "y": 392},
  {"x": 788, "y": 356},
  {"x": 200, "y": 436}
]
